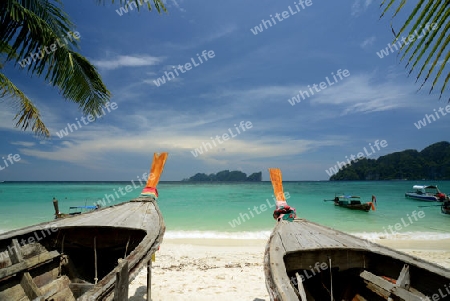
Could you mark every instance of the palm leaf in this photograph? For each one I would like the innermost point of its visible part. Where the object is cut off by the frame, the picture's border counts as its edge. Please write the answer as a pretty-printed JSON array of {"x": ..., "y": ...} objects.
[
  {"x": 428, "y": 50},
  {"x": 28, "y": 115},
  {"x": 29, "y": 32},
  {"x": 159, "y": 4},
  {"x": 27, "y": 27},
  {"x": 427, "y": 38}
]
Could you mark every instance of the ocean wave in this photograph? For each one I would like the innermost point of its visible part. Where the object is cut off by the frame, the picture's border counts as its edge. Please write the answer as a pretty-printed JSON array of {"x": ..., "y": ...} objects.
[
  {"x": 217, "y": 234},
  {"x": 373, "y": 236}
]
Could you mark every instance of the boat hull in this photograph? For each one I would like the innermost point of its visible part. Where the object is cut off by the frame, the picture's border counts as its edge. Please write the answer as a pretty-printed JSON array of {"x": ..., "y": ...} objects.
[
  {"x": 75, "y": 258},
  {"x": 361, "y": 207},
  {"x": 427, "y": 198},
  {"x": 307, "y": 261}
]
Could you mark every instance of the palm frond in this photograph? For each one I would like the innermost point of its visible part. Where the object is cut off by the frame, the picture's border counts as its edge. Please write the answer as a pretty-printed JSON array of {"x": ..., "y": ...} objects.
[
  {"x": 37, "y": 32},
  {"x": 28, "y": 29},
  {"x": 427, "y": 52},
  {"x": 159, "y": 4},
  {"x": 28, "y": 115},
  {"x": 27, "y": 25}
]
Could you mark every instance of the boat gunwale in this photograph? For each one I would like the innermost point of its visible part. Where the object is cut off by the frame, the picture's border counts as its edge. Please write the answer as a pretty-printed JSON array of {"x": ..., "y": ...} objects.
[
  {"x": 137, "y": 259},
  {"x": 273, "y": 285}
]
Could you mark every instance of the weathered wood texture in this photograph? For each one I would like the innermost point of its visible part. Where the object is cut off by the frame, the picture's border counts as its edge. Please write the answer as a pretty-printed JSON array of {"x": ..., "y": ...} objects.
[
  {"x": 121, "y": 288},
  {"x": 386, "y": 289},
  {"x": 27, "y": 264},
  {"x": 298, "y": 245},
  {"x": 138, "y": 214}
]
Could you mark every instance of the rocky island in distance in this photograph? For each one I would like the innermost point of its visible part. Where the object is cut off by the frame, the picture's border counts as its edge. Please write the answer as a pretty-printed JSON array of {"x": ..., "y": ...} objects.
[{"x": 226, "y": 176}]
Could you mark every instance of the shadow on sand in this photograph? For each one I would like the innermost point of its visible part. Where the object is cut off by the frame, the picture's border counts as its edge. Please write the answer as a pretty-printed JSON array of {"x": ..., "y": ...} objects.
[
  {"x": 139, "y": 294},
  {"x": 142, "y": 291}
]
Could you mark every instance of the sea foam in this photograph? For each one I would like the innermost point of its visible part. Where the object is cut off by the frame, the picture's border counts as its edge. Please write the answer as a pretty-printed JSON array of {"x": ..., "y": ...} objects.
[
  {"x": 373, "y": 236},
  {"x": 217, "y": 234}
]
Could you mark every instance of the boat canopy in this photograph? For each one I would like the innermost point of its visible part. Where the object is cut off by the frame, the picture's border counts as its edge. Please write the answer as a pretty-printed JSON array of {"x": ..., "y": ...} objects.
[
  {"x": 348, "y": 196},
  {"x": 83, "y": 207},
  {"x": 421, "y": 187}
]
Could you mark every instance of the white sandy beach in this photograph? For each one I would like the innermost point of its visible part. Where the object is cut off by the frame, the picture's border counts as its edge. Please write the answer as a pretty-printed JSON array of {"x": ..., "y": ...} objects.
[{"x": 223, "y": 270}]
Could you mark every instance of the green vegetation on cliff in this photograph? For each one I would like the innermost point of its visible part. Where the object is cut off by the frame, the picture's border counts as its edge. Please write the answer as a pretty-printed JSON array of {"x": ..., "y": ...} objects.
[
  {"x": 432, "y": 163},
  {"x": 226, "y": 176}
]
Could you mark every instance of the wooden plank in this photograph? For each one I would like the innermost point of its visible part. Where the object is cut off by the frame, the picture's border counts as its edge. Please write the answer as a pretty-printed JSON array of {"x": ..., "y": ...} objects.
[
  {"x": 12, "y": 291},
  {"x": 389, "y": 288},
  {"x": 304, "y": 237},
  {"x": 310, "y": 236},
  {"x": 55, "y": 286},
  {"x": 15, "y": 254},
  {"x": 404, "y": 280},
  {"x": 28, "y": 264},
  {"x": 301, "y": 289},
  {"x": 121, "y": 288},
  {"x": 345, "y": 239},
  {"x": 379, "y": 291},
  {"x": 277, "y": 251},
  {"x": 288, "y": 239},
  {"x": 407, "y": 295},
  {"x": 386, "y": 285},
  {"x": 64, "y": 295},
  {"x": 29, "y": 287},
  {"x": 325, "y": 241},
  {"x": 340, "y": 238},
  {"x": 79, "y": 289},
  {"x": 108, "y": 216}
]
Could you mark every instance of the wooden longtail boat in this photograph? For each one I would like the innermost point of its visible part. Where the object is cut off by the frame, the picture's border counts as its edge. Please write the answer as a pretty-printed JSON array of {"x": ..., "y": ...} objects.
[
  {"x": 89, "y": 256},
  {"x": 353, "y": 202},
  {"x": 307, "y": 261}
]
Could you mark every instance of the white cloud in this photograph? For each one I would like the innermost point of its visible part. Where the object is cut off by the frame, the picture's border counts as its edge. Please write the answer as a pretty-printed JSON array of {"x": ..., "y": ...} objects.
[
  {"x": 176, "y": 132},
  {"x": 127, "y": 61},
  {"x": 359, "y": 93},
  {"x": 7, "y": 118},
  {"x": 368, "y": 42},
  {"x": 223, "y": 31},
  {"x": 175, "y": 3},
  {"x": 23, "y": 143},
  {"x": 208, "y": 38},
  {"x": 360, "y": 6}
]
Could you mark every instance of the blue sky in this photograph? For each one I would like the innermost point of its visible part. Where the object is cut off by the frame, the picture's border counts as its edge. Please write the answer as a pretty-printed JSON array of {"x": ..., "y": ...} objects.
[{"x": 250, "y": 78}]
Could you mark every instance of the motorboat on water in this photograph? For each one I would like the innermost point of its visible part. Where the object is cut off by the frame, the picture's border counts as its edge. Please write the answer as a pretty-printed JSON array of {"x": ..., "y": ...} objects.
[{"x": 430, "y": 193}]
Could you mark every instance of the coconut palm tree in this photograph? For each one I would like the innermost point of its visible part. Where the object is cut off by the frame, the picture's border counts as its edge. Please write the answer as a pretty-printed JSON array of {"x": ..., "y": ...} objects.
[
  {"x": 37, "y": 37},
  {"x": 427, "y": 53}
]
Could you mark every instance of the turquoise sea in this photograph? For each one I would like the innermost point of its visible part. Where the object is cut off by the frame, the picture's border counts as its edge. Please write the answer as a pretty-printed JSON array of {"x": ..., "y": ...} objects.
[{"x": 213, "y": 210}]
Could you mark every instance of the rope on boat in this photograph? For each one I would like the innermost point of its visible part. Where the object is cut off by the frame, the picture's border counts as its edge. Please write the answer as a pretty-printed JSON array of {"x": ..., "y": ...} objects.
[
  {"x": 95, "y": 259},
  {"x": 60, "y": 260},
  {"x": 331, "y": 279},
  {"x": 126, "y": 247},
  {"x": 62, "y": 244}
]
